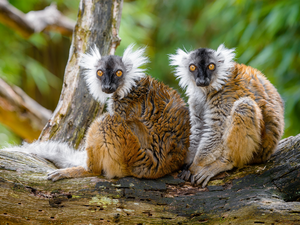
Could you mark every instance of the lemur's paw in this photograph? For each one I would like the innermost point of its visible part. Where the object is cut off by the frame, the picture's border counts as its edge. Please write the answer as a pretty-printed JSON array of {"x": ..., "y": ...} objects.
[
  {"x": 185, "y": 175},
  {"x": 56, "y": 175},
  {"x": 202, "y": 175}
]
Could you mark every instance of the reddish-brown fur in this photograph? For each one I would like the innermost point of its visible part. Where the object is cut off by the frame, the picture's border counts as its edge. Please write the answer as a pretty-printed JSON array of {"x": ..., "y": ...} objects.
[{"x": 147, "y": 136}]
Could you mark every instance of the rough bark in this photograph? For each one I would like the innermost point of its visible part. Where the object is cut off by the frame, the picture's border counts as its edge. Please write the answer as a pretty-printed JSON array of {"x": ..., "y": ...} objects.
[
  {"x": 20, "y": 113},
  {"x": 98, "y": 23},
  {"x": 35, "y": 21},
  {"x": 266, "y": 194}
]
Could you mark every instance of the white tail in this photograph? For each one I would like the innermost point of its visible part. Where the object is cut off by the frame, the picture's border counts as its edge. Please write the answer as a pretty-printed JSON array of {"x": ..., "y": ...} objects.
[{"x": 61, "y": 154}]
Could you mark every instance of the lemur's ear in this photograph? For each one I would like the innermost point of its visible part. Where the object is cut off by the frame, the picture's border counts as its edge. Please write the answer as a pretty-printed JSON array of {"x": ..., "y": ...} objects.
[
  {"x": 90, "y": 59},
  {"x": 128, "y": 67},
  {"x": 225, "y": 55},
  {"x": 178, "y": 58},
  {"x": 132, "y": 60},
  {"x": 89, "y": 62},
  {"x": 180, "y": 61},
  {"x": 225, "y": 58}
]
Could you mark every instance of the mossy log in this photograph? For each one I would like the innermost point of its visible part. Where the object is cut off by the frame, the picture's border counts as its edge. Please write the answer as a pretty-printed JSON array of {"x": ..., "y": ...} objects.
[{"x": 266, "y": 194}]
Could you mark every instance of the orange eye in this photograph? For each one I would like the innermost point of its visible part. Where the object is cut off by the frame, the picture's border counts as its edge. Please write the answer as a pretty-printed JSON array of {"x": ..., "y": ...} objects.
[
  {"x": 211, "y": 66},
  {"x": 99, "y": 73},
  {"x": 119, "y": 73},
  {"x": 192, "y": 67}
]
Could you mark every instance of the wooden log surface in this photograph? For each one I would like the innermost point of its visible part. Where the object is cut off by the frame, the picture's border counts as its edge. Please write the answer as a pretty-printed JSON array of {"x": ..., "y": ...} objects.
[{"x": 265, "y": 194}]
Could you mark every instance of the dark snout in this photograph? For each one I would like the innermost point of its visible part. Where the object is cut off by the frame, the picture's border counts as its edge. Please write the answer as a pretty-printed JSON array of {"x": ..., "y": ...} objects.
[
  {"x": 202, "y": 82},
  {"x": 202, "y": 79},
  {"x": 108, "y": 89}
]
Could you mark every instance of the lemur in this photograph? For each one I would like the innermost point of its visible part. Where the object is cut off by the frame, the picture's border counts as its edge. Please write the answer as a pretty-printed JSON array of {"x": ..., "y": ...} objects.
[
  {"x": 144, "y": 134},
  {"x": 236, "y": 114}
]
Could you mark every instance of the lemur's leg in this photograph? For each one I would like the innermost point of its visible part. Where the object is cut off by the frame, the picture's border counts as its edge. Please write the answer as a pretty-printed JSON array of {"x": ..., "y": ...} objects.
[
  {"x": 108, "y": 142},
  {"x": 196, "y": 133},
  {"x": 272, "y": 132},
  {"x": 240, "y": 141}
]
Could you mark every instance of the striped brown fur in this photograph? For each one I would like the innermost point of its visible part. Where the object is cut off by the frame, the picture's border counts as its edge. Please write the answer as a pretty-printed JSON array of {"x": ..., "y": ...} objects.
[{"x": 146, "y": 135}]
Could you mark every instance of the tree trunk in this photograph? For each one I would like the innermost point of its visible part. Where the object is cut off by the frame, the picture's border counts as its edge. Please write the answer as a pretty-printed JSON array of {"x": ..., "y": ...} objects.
[
  {"x": 266, "y": 193},
  {"x": 98, "y": 23}
]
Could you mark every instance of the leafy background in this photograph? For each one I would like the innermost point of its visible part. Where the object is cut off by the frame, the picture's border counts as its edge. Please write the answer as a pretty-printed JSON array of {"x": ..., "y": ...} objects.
[{"x": 266, "y": 35}]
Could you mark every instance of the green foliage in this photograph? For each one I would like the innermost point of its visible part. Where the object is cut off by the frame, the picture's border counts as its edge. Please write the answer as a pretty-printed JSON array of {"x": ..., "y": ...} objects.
[
  {"x": 266, "y": 35},
  {"x": 27, "y": 63},
  {"x": 7, "y": 137}
]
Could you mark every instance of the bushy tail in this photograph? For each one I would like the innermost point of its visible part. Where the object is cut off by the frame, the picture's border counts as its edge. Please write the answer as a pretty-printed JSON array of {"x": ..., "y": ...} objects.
[{"x": 61, "y": 154}]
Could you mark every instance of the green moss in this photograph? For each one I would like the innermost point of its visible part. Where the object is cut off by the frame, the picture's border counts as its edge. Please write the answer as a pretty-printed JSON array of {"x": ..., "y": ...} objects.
[
  {"x": 76, "y": 196},
  {"x": 14, "y": 195},
  {"x": 103, "y": 201},
  {"x": 53, "y": 131}
]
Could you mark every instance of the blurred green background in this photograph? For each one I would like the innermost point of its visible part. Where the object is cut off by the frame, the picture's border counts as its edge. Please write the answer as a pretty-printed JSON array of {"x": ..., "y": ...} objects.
[{"x": 266, "y": 35}]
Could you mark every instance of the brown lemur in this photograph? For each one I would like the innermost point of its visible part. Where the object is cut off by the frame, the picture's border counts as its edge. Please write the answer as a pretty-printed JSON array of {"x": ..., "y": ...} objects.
[
  {"x": 144, "y": 134},
  {"x": 236, "y": 114}
]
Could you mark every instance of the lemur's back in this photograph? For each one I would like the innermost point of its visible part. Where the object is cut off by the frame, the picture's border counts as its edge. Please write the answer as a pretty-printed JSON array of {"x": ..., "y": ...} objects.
[
  {"x": 256, "y": 83},
  {"x": 245, "y": 81},
  {"x": 271, "y": 105}
]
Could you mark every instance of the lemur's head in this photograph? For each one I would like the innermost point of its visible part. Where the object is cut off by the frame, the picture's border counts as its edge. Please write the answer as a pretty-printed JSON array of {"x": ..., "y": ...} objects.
[
  {"x": 112, "y": 74},
  {"x": 203, "y": 67}
]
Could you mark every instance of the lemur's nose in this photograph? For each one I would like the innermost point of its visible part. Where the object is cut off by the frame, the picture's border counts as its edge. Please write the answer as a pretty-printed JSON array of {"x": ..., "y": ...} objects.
[
  {"x": 108, "y": 89},
  {"x": 201, "y": 82}
]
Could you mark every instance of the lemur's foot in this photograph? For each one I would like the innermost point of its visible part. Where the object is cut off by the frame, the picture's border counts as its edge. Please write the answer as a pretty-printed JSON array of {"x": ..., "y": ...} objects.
[
  {"x": 204, "y": 174},
  {"x": 68, "y": 173},
  {"x": 185, "y": 175},
  {"x": 57, "y": 175}
]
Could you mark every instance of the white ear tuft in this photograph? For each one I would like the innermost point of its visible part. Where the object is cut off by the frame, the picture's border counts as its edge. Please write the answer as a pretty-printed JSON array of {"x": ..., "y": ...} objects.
[
  {"x": 89, "y": 62},
  {"x": 176, "y": 60},
  {"x": 132, "y": 61},
  {"x": 225, "y": 58},
  {"x": 180, "y": 60},
  {"x": 227, "y": 54}
]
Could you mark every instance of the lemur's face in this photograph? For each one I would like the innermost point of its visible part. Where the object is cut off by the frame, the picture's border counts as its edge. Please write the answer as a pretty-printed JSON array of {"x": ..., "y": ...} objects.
[
  {"x": 202, "y": 66},
  {"x": 110, "y": 71},
  {"x": 111, "y": 75}
]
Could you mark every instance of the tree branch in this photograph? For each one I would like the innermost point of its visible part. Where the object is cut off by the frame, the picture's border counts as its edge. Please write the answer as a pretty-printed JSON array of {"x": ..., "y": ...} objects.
[
  {"x": 20, "y": 113},
  {"x": 35, "y": 21}
]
